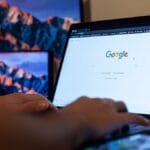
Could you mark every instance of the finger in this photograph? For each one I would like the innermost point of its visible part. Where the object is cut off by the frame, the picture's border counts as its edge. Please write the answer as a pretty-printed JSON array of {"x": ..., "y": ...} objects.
[
  {"x": 120, "y": 106},
  {"x": 14, "y": 98},
  {"x": 23, "y": 98},
  {"x": 124, "y": 119},
  {"x": 128, "y": 118},
  {"x": 35, "y": 97},
  {"x": 34, "y": 106},
  {"x": 37, "y": 103},
  {"x": 120, "y": 120},
  {"x": 26, "y": 102},
  {"x": 18, "y": 98},
  {"x": 107, "y": 101},
  {"x": 109, "y": 104}
]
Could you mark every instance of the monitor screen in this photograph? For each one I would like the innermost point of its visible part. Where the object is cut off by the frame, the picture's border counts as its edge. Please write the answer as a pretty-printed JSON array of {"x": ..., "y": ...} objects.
[
  {"x": 32, "y": 25},
  {"x": 45, "y": 8},
  {"x": 24, "y": 72}
]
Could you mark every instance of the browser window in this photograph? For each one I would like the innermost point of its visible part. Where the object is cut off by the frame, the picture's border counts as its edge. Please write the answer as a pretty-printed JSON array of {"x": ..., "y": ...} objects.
[{"x": 110, "y": 64}]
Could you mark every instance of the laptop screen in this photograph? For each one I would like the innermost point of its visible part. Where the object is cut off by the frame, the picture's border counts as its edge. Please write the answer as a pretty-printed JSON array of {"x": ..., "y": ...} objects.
[
  {"x": 25, "y": 72},
  {"x": 108, "y": 64}
]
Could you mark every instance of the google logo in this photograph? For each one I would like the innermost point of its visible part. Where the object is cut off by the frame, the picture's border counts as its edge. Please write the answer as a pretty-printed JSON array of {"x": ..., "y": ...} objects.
[{"x": 118, "y": 55}]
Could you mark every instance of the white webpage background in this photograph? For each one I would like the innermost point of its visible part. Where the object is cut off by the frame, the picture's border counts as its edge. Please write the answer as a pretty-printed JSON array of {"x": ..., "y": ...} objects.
[{"x": 88, "y": 72}]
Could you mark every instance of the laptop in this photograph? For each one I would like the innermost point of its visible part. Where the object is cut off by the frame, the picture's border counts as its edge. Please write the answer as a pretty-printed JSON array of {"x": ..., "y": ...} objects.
[
  {"x": 26, "y": 72},
  {"x": 107, "y": 59}
]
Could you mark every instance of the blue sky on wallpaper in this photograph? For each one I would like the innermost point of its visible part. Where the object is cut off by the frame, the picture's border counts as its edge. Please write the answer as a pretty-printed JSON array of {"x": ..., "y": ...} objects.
[
  {"x": 44, "y": 8},
  {"x": 31, "y": 63}
]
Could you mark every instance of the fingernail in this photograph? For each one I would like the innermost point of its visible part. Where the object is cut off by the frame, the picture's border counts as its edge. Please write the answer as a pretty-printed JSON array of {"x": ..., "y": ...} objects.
[
  {"x": 52, "y": 107},
  {"x": 147, "y": 121},
  {"x": 42, "y": 106}
]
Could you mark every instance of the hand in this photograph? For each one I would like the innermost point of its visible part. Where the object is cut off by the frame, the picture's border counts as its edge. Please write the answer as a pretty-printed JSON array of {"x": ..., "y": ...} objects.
[
  {"x": 100, "y": 117},
  {"x": 66, "y": 129},
  {"x": 25, "y": 103}
]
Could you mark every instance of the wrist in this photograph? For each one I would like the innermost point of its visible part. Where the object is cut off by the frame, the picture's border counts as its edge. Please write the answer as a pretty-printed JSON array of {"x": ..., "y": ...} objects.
[{"x": 78, "y": 129}]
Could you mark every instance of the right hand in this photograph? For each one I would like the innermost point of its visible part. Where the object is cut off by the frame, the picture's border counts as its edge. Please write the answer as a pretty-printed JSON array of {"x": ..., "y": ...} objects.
[{"x": 101, "y": 116}]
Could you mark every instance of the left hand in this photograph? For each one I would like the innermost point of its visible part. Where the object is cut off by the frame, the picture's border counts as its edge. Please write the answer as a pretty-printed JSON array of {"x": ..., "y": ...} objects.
[{"x": 26, "y": 103}]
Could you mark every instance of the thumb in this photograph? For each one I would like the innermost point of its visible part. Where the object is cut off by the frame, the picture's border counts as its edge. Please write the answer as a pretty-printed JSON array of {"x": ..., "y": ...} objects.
[{"x": 36, "y": 103}]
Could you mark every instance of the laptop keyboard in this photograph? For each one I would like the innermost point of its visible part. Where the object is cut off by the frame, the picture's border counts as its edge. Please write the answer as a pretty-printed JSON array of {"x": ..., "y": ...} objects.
[{"x": 137, "y": 128}]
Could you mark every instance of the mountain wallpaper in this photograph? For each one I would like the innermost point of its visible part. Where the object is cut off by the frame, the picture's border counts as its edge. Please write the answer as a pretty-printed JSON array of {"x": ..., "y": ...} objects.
[
  {"x": 20, "y": 30},
  {"x": 15, "y": 79}
]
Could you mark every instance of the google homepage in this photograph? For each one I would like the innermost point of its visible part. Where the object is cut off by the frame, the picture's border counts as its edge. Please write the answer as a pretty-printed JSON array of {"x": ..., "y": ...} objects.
[{"x": 114, "y": 66}]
